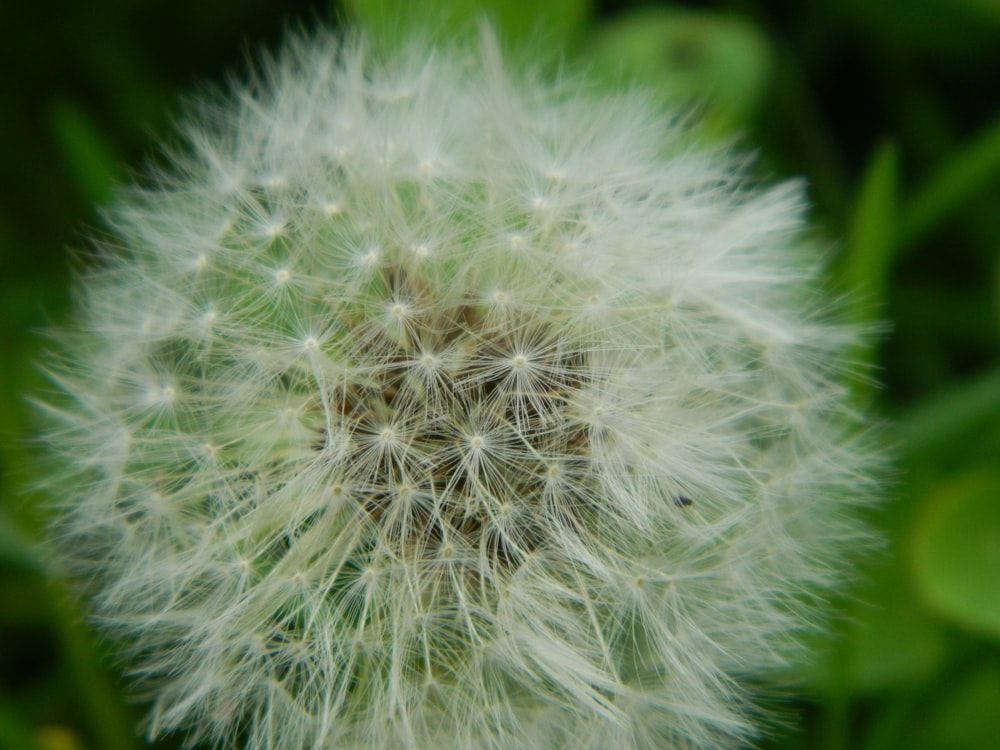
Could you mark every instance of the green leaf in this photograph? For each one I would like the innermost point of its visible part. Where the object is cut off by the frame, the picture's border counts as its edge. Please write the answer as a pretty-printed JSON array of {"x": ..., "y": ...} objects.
[
  {"x": 965, "y": 716},
  {"x": 866, "y": 265},
  {"x": 720, "y": 61},
  {"x": 109, "y": 721},
  {"x": 963, "y": 177},
  {"x": 892, "y": 644},
  {"x": 933, "y": 29},
  {"x": 13, "y": 733},
  {"x": 987, "y": 11},
  {"x": 872, "y": 239},
  {"x": 996, "y": 289},
  {"x": 16, "y": 548},
  {"x": 90, "y": 158},
  {"x": 944, "y": 418},
  {"x": 885, "y": 644},
  {"x": 556, "y": 22},
  {"x": 956, "y": 550}
]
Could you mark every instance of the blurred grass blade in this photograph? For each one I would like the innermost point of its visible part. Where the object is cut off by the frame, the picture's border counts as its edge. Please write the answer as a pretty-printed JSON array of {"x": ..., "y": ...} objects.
[
  {"x": 865, "y": 267},
  {"x": 960, "y": 179},
  {"x": 89, "y": 157},
  {"x": 872, "y": 239},
  {"x": 943, "y": 419},
  {"x": 109, "y": 722},
  {"x": 996, "y": 288}
]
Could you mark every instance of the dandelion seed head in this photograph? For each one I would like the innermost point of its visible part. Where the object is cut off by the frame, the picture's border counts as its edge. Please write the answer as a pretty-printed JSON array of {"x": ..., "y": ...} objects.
[{"x": 496, "y": 416}]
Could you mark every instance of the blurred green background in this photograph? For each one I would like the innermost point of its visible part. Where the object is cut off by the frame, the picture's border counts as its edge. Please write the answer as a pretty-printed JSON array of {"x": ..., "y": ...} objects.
[{"x": 890, "y": 109}]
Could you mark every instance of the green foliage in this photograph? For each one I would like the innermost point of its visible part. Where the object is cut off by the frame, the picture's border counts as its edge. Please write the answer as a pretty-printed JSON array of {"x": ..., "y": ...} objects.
[
  {"x": 888, "y": 109},
  {"x": 966, "y": 717},
  {"x": 556, "y": 22},
  {"x": 717, "y": 61},
  {"x": 871, "y": 242},
  {"x": 963, "y": 179},
  {"x": 91, "y": 160},
  {"x": 956, "y": 550}
]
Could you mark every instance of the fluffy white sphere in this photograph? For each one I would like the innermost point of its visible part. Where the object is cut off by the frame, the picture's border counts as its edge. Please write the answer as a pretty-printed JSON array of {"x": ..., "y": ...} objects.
[{"x": 422, "y": 405}]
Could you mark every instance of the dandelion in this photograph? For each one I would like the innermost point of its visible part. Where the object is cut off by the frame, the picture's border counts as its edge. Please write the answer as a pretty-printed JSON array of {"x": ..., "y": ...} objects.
[{"x": 421, "y": 404}]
